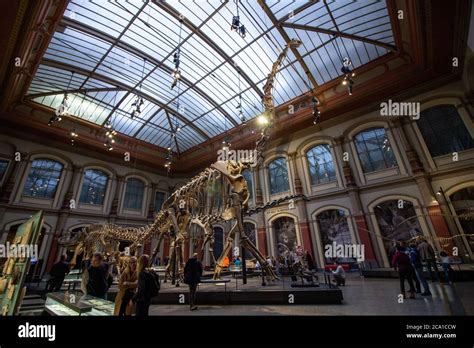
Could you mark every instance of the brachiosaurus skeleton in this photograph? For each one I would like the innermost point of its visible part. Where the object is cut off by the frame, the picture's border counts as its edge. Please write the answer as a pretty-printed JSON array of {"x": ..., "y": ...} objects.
[{"x": 219, "y": 193}]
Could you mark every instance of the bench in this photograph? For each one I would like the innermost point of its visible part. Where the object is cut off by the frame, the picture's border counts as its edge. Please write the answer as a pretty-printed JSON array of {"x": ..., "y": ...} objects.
[{"x": 216, "y": 281}]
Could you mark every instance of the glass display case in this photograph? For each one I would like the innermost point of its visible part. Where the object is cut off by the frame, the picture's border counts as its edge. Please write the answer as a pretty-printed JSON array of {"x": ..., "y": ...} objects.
[{"x": 75, "y": 303}]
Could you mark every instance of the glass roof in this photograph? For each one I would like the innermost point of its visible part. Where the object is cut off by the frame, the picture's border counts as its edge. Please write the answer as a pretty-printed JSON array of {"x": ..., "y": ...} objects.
[{"x": 121, "y": 50}]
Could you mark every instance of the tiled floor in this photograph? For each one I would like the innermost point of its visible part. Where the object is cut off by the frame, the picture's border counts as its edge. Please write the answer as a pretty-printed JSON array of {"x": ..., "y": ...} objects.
[{"x": 361, "y": 297}]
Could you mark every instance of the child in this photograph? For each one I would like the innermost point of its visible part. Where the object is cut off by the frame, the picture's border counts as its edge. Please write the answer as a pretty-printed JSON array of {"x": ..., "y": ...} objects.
[{"x": 445, "y": 263}]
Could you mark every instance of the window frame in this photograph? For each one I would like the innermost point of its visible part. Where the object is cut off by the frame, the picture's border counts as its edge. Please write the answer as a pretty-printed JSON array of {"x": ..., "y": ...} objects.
[
  {"x": 269, "y": 176},
  {"x": 107, "y": 185},
  {"x": 143, "y": 194},
  {"x": 367, "y": 151},
  {"x": 57, "y": 187}
]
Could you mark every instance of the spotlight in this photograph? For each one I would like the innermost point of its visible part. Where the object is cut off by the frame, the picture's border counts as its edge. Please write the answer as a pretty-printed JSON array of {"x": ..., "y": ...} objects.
[
  {"x": 178, "y": 129},
  {"x": 262, "y": 119},
  {"x": 176, "y": 75},
  {"x": 169, "y": 148},
  {"x": 73, "y": 133},
  {"x": 348, "y": 74},
  {"x": 137, "y": 104},
  {"x": 438, "y": 193},
  {"x": 235, "y": 23}
]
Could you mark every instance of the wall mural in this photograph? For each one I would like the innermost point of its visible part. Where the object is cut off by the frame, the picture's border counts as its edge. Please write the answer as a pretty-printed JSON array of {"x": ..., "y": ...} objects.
[
  {"x": 396, "y": 223},
  {"x": 285, "y": 235},
  {"x": 334, "y": 228},
  {"x": 463, "y": 203}
]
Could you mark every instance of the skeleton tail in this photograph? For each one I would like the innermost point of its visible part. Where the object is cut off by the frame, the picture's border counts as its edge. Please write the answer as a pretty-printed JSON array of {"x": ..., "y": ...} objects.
[{"x": 272, "y": 204}]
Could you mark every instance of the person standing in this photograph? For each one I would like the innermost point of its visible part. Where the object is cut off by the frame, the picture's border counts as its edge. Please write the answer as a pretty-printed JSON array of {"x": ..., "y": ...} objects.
[
  {"x": 127, "y": 284},
  {"x": 445, "y": 263},
  {"x": 192, "y": 277},
  {"x": 339, "y": 275},
  {"x": 58, "y": 273},
  {"x": 98, "y": 273},
  {"x": 147, "y": 287},
  {"x": 427, "y": 255},
  {"x": 309, "y": 260},
  {"x": 401, "y": 263},
  {"x": 418, "y": 267}
]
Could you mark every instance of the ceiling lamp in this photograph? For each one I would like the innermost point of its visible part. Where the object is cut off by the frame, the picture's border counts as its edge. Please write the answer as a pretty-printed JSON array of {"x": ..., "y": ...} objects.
[
  {"x": 137, "y": 104},
  {"x": 348, "y": 74},
  {"x": 236, "y": 25},
  {"x": 262, "y": 119},
  {"x": 226, "y": 144},
  {"x": 63, "y": 108},
  {"x": 73, "y": 134},
  {"x": 316, "y": 111}
]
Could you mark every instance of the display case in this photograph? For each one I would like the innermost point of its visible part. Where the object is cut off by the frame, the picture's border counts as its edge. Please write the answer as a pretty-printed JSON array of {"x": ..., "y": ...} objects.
[{"x": 75, "y": 303}]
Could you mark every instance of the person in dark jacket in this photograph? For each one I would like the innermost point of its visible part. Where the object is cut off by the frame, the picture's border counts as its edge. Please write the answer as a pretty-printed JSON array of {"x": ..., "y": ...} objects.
[
  {"x": 98, "y": 273},
  {"x": 418, "y": 267},
  {"x": 428, "y": 256},
  {"x": 58, "y": 273},
  {"x": 401, "y": 262},
  {"x": 192, "y": 277},
  {"x": 145, "y": 287},
  {"x": 309, "y": 260}
]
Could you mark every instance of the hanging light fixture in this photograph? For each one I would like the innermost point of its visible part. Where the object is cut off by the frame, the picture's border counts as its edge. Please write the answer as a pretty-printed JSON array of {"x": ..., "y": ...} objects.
[
  {"x": 348, "y": 74},
  {"x": 63, "y": 108},
  {"x": 110, "y": 132},
  {"x": 316, "y": 111},
  {"x": 137, "y": 104},
  {"x": 236, "y": 25},
  {"x": 176, "y": 73}
]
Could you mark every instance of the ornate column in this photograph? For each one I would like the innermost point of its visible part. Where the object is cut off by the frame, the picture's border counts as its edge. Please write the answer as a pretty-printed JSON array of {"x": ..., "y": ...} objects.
[
  {"x": 63, "y": 215},
  {"x": 296, "y": 179},
  {"x": 258, "y": 190},
  {"x": 358, "y": 213},
  {"x": 13, "y": 174},
  {"x": 436, "y": 205},
  {"x": 261, "y": 233},
  {"x": 115, "y": 202}
]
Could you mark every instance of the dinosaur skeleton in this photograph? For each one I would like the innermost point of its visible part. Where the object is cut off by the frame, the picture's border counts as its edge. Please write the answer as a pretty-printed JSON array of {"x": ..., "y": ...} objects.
[{"x": 217, "y": 194}]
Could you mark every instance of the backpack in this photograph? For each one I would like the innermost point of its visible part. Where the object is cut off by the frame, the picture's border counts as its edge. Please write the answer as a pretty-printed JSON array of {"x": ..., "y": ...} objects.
[
  {"x": 414, "y": 256},
  {"x": 155, "y": 284}
]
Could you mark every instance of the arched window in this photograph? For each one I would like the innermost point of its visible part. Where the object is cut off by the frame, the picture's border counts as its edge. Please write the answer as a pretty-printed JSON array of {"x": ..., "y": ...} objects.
[
  {"x": 249, "y": 229},
  {"x": 463, "y": 204},
  {"x": 43, "y": 178},
  {"x": 134, "y": 194},
  {"x": 278, "y": 172},
  {"x": 334, "y": 228},
  {"x": 444, "y": 131},
  {"x": 374, "y": 150},
  {"x": 321, "y": 165},
  {"x": 398, "y": 221},
  {"x": 93, "y": 187},
  {"x": 3, "y": 168},
  {"x": 159, "y": 200},
  {"x": 247, "y": 174},
  {"x": 285, "y": 235}
]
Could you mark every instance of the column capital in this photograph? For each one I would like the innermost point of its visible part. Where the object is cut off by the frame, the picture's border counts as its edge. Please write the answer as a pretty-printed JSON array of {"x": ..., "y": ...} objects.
[{"x": 340, "y": 140}]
